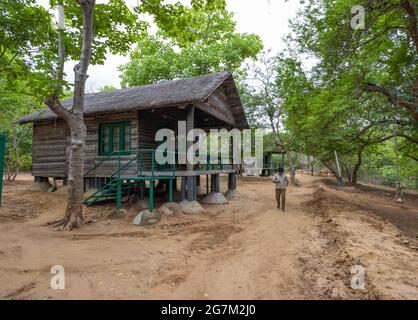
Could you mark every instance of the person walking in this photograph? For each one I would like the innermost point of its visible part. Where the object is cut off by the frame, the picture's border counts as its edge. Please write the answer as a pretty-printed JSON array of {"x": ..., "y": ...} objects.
[{"x": 282, "y": 181}]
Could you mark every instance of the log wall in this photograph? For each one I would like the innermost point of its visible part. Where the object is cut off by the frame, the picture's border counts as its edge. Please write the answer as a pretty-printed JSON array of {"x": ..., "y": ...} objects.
[{"x": 51, "y": 147}]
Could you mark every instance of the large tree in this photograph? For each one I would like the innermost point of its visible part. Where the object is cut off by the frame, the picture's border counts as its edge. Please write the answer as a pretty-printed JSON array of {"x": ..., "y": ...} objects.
[
  {"x": 264, "y": 104},
  {"x": 383, "y": 55},
  {"x": 208, "y": 43}
]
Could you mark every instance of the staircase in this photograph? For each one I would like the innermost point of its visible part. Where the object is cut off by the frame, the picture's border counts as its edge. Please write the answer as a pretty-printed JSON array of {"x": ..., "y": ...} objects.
[
  {"x": 109, "y": 192},
  {"x": 120, "y": 186}
]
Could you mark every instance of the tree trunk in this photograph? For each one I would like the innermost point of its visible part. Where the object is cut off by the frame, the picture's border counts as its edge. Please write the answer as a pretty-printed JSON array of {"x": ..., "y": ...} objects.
[
  {"x": 75, "y": 120},
  {"x": 73, "y": 215},
  {"x": 357, "y": 166},
  {"x": 311, "y": 162},
  {"x": 292, "y": 171},
  {"x": 347, "y": 172}
]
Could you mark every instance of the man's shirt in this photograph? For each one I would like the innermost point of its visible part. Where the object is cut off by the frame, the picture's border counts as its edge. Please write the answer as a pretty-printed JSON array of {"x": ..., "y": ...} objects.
[{"x": 281, "y": 181}]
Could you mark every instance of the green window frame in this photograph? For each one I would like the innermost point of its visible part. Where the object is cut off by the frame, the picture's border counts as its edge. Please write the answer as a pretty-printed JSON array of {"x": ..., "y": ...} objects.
[{"x": 115, "y": 136}]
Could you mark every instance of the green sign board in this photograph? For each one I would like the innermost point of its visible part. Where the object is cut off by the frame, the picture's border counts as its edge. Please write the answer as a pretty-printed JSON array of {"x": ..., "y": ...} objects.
[{"x": 2, "y": 151}]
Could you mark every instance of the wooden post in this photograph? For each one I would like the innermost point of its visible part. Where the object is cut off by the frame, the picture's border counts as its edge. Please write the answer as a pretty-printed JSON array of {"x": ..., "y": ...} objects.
[{"x": 190, "y": 189}]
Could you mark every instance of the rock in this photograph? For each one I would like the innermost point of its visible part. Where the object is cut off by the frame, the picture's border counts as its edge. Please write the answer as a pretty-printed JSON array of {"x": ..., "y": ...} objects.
[
  {"x": 166, "y": 210},
  {"x": 191, "y": 207},
  {"x": 215, "y": 198},
  {"x": 169, "y": 209},
  {"x": 138, "y": 218},
  {"x": 230, "y": 194},
  {"x": 116, "y": 214},
  {"x": 146, "y": 218}
]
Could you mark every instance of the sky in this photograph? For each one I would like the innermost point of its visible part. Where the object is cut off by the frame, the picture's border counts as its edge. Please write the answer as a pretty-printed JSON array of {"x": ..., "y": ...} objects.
[{"x": 267, "y": 18}]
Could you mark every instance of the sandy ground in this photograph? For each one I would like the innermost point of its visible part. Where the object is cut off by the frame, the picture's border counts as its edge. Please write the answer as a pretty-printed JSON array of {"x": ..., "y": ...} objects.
[{"x": 247, "y": 249}]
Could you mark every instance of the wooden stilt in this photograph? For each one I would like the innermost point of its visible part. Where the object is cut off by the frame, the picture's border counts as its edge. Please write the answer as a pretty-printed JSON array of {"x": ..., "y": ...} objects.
[{"x": 183, "y": 188}]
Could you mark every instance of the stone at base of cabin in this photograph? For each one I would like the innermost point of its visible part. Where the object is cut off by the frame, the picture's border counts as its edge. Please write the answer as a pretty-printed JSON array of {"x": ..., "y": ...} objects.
[
  {"x": 215, "y": 198},
  {"x": 175, "y": 208},
  {"x": 166, "y": 210},
  {"x": 116, "y": 214},
  {"x": 191, "y": 207},
  {"x": 230, "y": 194},
  {"x": 41, "y": 186},
  {"x": 146, "y": 218}
]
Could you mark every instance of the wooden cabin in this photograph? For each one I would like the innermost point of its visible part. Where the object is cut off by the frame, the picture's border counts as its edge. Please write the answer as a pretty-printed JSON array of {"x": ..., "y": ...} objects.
[{"x": 128, "y": 119}]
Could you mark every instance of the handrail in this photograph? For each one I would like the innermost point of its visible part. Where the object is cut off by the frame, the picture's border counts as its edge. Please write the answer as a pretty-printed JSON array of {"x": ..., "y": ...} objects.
[
  {"x": 100, "y": 163},
  {"x": 119, "y": 153}
]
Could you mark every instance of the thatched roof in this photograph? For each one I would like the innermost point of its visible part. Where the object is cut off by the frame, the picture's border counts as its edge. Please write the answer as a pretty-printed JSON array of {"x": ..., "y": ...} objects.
[{"x": 164, "y": 94}]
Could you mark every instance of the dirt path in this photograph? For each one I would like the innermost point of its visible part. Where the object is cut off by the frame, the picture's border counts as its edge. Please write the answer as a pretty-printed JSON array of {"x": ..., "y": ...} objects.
[{"x": 247, "y": 249}]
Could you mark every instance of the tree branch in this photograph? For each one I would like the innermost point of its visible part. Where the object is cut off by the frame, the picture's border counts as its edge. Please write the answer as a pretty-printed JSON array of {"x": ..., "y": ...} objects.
[
  {"x": 53, "y": 101},
  {"x": 412, "y": 139},
  {"x": 412, "y": 107},
  {"x": 412, "y": 19}
]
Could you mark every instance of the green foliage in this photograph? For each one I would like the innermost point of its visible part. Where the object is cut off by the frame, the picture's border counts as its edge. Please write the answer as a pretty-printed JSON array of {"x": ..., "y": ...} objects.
[
  {"x": 16, "y": 102},
  {"x": 26, "y": 38},
  {"x": 207, "y": 43},
  {"x": 384, "y": 53},
  {"x": 116, "y": 27},
  {"x": 327, "y": 108}
]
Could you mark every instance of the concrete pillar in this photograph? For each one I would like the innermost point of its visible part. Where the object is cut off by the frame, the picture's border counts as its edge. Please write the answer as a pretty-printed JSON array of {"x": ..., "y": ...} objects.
[
  {"x": 217, "y": 183},
  {"x": 215, "y": 197},
  {"x": 232, "y": 185}
]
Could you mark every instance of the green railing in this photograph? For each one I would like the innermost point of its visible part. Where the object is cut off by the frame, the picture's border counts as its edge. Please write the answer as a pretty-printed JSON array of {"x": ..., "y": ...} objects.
[
  {"x": 141, "y": 173},
  {"x": 2, "y": 154}
]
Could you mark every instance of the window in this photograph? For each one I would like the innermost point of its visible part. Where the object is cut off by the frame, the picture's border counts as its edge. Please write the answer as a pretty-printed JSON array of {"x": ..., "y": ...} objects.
[{"x": 114, "y": 137}]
